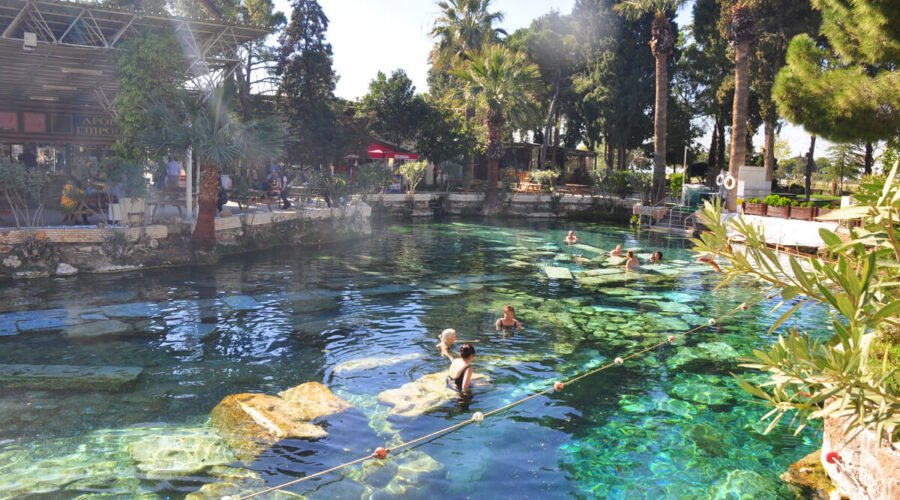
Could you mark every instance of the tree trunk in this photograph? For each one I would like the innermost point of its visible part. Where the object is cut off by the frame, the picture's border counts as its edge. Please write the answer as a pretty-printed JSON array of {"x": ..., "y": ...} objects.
[
  {"x": 609, "y": 155},
  {"x": 770, "y": 151},
  {"x": 494, "y": 151},
  {"x": 621, "y": 160},
  {"x": 205, "y": 229},
  {"x": 469, "y": 171},
  {"x": 720, "y": 152},
  {"x": 712, "y": 169},
  {"x": 549, "y": 120},
  {"x": 739, "y": 125},
  {"x": 810, "y": 164},
  {"x": 870, "y": 158},
  {"x": 659, "y": 129}
]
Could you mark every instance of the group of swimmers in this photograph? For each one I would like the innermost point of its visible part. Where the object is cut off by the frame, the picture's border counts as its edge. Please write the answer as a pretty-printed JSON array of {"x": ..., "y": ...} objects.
[
  {"x": 459, "y": 377},
  {"x": 631, "y": 260}
]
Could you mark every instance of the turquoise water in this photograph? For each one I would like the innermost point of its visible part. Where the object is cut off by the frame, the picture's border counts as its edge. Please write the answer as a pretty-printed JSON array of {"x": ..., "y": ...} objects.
[{"x": 670, "y": 424}]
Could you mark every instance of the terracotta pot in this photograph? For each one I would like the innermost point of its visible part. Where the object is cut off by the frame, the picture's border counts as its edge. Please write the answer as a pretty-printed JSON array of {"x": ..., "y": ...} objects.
[
  {"x": 755, "y": 208},
  {"x": 778, "y": 212}
]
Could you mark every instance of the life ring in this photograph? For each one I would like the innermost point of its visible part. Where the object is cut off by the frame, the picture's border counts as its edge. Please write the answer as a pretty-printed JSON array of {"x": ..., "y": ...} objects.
[
  {"x": 729, "y": 182},
  {"x": 720, "y": 179}
]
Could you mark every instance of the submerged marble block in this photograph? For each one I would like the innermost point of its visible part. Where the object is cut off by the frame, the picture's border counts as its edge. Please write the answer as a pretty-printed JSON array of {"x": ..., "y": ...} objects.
[
  {"x": 96, "y": 329},
  {"x": 419, "y": 396},
  {"x": 314, "y": 400},
  {"x": 241, "y": 302},
  {"x": 68, "y": 376},
  {"x": 558, "y": 273}
]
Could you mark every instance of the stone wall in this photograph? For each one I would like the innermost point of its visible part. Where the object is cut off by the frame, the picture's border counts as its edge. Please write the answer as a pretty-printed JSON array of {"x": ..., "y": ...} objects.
[
  {"x": 532, "y": 205},
  {"x": 869, "y": 467},
  {"x": 63, "y": 251}
]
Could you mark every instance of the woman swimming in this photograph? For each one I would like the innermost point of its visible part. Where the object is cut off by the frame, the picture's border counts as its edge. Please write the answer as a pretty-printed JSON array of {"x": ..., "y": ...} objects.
[
  {"x": 446, "y": 341},
  {"x": 571, "y": 239},
  {"x": 460, "y": 375},
  {"x": 656, "y": 257},
  {"x": 632, "y": 264},
  {"x": 508, "y": 321},
  {"x": 616, "y": 252}
]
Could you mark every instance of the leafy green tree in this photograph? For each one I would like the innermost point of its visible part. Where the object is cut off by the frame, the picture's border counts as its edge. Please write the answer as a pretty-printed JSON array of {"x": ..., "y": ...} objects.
[
  {"x": 779, "y": 21},
  {"x": 444, "y": 134},
  {"x": 845, "y": 87},
  {"x": 847, "y": 162},
  {"x": 146, "y": 71},
  {"x": 498, "y": 83},
  {"x": 258, "y": 59},
  {"x": 661, "y": 45},
  {"x": 306, "y": 94},
  {"x": 852, "y": 376},
  {"x": 218, "y": 141},
  {"x": 397, "y": 113}
]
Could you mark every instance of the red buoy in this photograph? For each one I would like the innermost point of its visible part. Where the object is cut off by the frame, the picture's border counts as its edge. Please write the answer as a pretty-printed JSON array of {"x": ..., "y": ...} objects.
[
  {"x": 832, "y": 457},
  {"x": 671, "y": 339},
  {"x": 559, "y": 386},
  {"x": 380, "y": 453}
]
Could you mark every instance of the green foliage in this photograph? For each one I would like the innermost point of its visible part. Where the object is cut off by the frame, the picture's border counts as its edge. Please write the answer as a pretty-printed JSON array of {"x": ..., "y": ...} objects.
[
  {"x": 396, "y": 111},
  {"x": 444, "y": 134},
  {"x": 858, "y": 283},
  {"x": 414, "y": 172},
  {"x": 129, "y": 176},
  {"x": 676, "y": 181},
  {"x": 462, "y": 28},
  {"x": 545, "y": 177},
  {"x": 616, "y": 182},
  {"x": 149, "y": 69},
  {"x": 847, "y": 89},
  {"x": 373, "y": 177},
  {"x": 22, "y": 186},
  {"x": 774, "y": 200}
]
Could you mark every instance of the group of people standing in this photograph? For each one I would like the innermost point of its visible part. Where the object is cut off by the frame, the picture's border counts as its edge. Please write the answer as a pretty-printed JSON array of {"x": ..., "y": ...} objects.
[{"x": 459, "y": 376}]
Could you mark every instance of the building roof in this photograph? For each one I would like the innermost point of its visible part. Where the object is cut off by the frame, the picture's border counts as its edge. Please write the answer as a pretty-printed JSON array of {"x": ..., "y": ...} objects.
[{"x": 63, "y": 51}]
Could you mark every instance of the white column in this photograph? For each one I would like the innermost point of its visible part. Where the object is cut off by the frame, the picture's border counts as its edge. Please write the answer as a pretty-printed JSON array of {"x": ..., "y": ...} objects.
[{"x": 189, "y": 184}]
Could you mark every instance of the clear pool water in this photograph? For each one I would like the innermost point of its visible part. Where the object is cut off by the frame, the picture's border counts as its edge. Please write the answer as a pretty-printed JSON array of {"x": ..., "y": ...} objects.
[{"x": 671, "y": 424}]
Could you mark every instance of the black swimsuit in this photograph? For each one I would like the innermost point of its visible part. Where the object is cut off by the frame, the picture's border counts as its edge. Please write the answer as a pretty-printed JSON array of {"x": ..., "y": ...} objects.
[
  {"x": 457, "y": 383},
  {"x": 515, "y": 325}
]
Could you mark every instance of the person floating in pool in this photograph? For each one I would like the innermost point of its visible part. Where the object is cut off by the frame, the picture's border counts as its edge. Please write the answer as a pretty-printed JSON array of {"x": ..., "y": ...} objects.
[
  {"x": 632, "y": 263},
  {"x": 509, "y": 321},
  {"x": 656, "y": 257},
  {"x": 446, "y": 341},
  {"x": 616, "y": 252},
  {"x": 571, "y": 239},
  {"x": 460, "y": 375}
]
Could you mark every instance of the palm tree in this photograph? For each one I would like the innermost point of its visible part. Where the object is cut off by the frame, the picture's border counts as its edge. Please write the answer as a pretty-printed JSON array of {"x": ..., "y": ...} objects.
[
  {"x": 463, "y": 28},
  {"x": 742, "y": 31},
  {"x": 498, "y": 83},
  {"x": 217, "y": 140},
  {"x": 662, "y": 42}
]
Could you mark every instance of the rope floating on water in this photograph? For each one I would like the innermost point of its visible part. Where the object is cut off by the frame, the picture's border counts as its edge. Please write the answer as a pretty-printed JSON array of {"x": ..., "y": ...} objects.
[{"x": 382, "y": 453}]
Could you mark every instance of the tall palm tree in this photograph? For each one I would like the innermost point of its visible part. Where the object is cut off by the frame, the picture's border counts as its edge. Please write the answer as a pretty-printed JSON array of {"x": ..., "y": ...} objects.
[
  {"x": 498, "y": 83},
  {"x": 742, "y": 32},
  {"x": 662, "y": 42},
  {"x": 463, "y": 28},
  {"x": 218, "y": 140}
]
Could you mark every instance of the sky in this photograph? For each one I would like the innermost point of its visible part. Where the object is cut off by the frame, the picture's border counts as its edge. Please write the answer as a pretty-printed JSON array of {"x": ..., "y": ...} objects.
[{"x": 368, "y": 36}]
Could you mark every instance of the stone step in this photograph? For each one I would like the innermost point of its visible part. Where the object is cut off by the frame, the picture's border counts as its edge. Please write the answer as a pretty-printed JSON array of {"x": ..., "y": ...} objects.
[{"x": 58, "y": 377}]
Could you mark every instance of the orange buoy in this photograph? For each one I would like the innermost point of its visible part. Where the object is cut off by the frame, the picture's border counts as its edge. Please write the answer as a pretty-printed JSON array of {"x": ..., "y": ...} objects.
[
  {"x": 671, "y": 339},
  {"x": 744, "y": 306},
  {"x": 559, "y": 386},
  {"x": 832, "y": 457},
  {"x": 380, "y": 453}
]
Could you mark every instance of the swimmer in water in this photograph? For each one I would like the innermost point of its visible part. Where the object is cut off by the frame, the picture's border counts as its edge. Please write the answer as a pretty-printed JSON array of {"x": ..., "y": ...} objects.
[
  {"x": 446, "y": 341},
  {"x": 656, "y": 257},
  {"x": 632, "y": 264},
  {"x": 571, "y": 239},
  {"x": 460, "y": 374},
  {"x": 509, "y": 321},
  {"x": 616, "y": 252}
]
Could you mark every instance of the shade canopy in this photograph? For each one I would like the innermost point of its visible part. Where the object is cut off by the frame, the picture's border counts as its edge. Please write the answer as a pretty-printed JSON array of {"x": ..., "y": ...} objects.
[{"x": 381, "y": 151}]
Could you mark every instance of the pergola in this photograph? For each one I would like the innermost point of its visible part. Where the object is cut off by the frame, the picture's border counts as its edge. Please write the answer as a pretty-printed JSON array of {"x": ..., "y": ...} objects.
[{"x": 61, "y": 54}]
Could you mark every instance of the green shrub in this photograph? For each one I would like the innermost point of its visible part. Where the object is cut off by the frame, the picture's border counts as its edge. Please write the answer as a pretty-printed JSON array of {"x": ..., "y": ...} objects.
[
  {"x": 796, "y": 189},
  {"x": 774, "y": 200},
  {"x": 754, "y": 200},
  {"x": 675, "y": 184}
]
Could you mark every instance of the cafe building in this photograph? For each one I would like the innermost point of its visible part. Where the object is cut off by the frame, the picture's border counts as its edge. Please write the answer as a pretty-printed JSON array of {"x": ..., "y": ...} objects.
[{"x": 58, "y": 73}]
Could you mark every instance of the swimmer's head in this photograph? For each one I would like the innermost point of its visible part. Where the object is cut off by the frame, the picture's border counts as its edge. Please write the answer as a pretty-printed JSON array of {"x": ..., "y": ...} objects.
[
  {"x": 509, "y": 309},
  {"x": 467, "y": 351},
  {"x": 657, "y": 255},
  {"x": 448, "y": 336},
  {"x": 630, "y": 254},
  {"x": 571, "y": 233}
]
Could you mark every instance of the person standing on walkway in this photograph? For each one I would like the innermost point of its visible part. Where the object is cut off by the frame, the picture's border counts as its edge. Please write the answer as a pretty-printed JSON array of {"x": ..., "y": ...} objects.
[{"x": 173, "y": 174}]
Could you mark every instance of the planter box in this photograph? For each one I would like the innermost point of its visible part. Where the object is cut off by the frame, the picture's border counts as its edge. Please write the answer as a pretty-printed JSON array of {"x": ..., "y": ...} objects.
[
  {"x": 778, "y": 212},
  {"x": 823, "y": 211},
  {"x": 803, "y": 213},
  {"x": 755, "y": 208}
]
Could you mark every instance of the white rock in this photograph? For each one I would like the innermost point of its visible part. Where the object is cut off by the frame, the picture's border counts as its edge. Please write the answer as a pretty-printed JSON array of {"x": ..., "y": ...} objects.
[
  {"x": 12, "y": 262},
  {"x": 64, "y": 269}
]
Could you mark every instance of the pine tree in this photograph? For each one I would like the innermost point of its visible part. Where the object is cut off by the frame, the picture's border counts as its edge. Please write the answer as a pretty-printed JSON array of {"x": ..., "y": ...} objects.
[{"x": 306, "y": 94}]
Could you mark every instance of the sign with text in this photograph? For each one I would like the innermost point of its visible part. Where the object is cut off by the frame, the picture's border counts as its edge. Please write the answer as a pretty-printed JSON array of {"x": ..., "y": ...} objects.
[{"x": 94, "y": 126}]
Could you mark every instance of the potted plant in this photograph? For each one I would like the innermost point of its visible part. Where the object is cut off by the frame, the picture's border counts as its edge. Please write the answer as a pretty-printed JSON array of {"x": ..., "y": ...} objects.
[
  {"x": 753, "y": 206},
  {"x": 803, "y": 211},
  {"x": 777, "y": 206},
  {"x": 545, "y": 178}
]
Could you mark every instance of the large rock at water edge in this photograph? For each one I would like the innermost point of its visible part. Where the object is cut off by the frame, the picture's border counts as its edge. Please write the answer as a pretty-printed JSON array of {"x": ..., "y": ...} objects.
[
  {"x": 96, "y": 329},
  {"x": 314, "y": 400},
  {"x": 250, "y": 423},
  {"x": 419, "y": 396}
]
